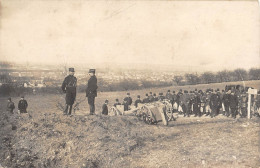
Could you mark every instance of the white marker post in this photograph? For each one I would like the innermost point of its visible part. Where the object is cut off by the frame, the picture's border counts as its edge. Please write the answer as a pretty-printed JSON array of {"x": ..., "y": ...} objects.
[{"x": 250, "y": 92}]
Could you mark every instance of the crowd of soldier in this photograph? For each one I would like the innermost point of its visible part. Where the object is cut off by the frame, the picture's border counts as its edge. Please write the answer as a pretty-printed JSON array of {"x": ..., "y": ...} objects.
[{"x": 209, "y": 103}]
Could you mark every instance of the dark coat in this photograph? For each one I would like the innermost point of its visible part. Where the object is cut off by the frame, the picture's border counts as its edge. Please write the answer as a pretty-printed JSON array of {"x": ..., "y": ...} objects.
[
  {"x": 91, "y": 90},
  {"x": 146, "y": 100},
  {"x": 214, "y": 101},
  {"x": 233, "y": 100},
  {"x": 137, "y": 102},
  {"x": 128, "y": 100},
  {"x": 22, "y": 105},
  {"x": 10, "y": 106},
  {"x": 104, "y": 109},
  {"x": 69, "y": 87}
]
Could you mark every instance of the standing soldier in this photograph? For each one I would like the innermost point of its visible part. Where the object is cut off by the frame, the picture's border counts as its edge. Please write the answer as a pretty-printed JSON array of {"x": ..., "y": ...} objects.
[
  {"x": 207, "y": 103},
  {"x": 185, "y": 104},
  {"x": 146, "y": 99},
  {"x": 155, "y": 98},
  {"x": 22, "y": 105},
  {"x": 196, "y": 105},
  {"x": 105, "y": 108},
  {"x": 161, "y": 97},
  {"x": 225, "y": 100},
  {"x": 117, "y": 103},
  {"x": 151, "y": 97},
  {"x": 233, "y": 100},
  {"x": 214, "y": 103},
  {"x": 174, "y": 100},
  {"x": 138, "y": 101},
  {"x": 127, "y": 102},
  {"x": 243, "y": 105},
  {"x": 91, "y": 91},
  {"x": 69, "y": 87},
  {"x": 10, "y": 106},
  {"x": 202, "y": 102},
  {"x": 168, "y": 96}
]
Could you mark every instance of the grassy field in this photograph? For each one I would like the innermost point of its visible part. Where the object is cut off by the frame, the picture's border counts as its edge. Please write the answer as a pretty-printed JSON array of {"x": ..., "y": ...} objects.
[{"x": 46, "y": 138}]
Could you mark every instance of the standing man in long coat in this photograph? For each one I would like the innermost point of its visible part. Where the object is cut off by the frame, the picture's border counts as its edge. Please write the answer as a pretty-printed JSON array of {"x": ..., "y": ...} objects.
[
  {"x": 69, "y": 87},
  {"x": 91, "y": 91}
]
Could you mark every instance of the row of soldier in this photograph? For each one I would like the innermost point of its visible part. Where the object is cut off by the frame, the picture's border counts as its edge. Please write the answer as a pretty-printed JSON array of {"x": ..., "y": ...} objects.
[{"x": 210, "y": 102}]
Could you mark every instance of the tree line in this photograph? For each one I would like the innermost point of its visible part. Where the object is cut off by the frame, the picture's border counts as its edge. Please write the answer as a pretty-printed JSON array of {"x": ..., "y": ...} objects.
[{"x": 219, "y": 77}]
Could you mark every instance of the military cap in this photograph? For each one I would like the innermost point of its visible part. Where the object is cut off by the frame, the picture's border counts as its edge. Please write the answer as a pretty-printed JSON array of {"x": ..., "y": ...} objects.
[
  {"x": 71, "y": 70},
  {"x": 173, "y": 91},
  {"x": 160, "y": 94},
  {"x": 128, "y": 93},
  {"x": 138, "y": 96},
  {"x": 151, "y": 92},
  {"x": 22, "y": 96},
  {"x": 117, "y": 100},
  {"x": 190, "y": 91},
  {"x": 154, "y": 94},
  {"x": 92, "y": 71},
  {"x": 223, "y": 90},
  {"x": 106, "y": 101},
  {"x": 196, "y": 89},
  {"x": 9, "y": 98},
  {"x": 168, "y": 90},
  {"x": 146, "y": 94}
]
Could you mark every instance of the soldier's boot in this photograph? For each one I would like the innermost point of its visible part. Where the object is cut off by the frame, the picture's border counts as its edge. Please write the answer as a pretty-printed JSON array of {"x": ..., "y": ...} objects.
[
  {"x": 65, "y": 112},
  {"x": 70, "y": 109}
]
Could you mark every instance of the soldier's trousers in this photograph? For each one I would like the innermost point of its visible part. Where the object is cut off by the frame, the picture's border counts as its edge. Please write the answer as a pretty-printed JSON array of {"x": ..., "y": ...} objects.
[
  {"x": 234, "y": 112},
  {"x": 244, "y": 111},
  {"x": 91, "y": 102},
  {"x": 68, "y": 108},
  {"x": 227, "y": 110},
  {"x": 196, "y": 110},
  {"x": 213, "y": 111}
]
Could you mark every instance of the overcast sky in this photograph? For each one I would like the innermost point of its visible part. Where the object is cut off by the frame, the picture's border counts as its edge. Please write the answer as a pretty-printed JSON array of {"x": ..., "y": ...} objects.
[{"x": 203, "y": 34}]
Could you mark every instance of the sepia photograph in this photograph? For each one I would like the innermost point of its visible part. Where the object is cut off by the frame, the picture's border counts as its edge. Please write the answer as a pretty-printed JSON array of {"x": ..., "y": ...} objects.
[{"x": 129, "y": 84}]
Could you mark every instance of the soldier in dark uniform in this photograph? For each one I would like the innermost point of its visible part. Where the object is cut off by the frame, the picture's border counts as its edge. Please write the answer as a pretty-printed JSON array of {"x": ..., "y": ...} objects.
[
  {"x": 151, "y": 97},
  {"x": 127, "y": 102},
  {"x": 161, "y": 97},
  {"x": 138, "y": 101},
  {"x": 226, "y": 103},
  {"x": 243, "y": 105},
  {"x": 168, "y": 96},
  {"x": 91, "y": 91},
  {"x": 10, "y": 106},
  {"x": 185, "y": 103},
  {"x": 214, "y": 104},
  {"x": 196, "y": 105},
  {"x": 105, "y": 108},
  {"x": 69, "y": 87},
  {"x": 146, "y": 99},
  {"x": 233, "y": 100},
  {"x": 117, "y": 103},
  {"x": 155, "y": 98},
  {"x": 174, "y": 98},
  {"x": 22, "y": 105}
]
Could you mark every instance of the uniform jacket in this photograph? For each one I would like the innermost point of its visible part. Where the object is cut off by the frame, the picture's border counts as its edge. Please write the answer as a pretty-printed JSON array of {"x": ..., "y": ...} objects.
[
  {"x": 22, "y": 105},
  {"x": 91, "y": 90},
  {"x": 168, "y": 96},
  {"x": 69, "y": 84},
  {"x": 146, "y": 100},
  {"x": 214, "y": 101},
  {"x": 117, "y": 104},
  {"x": 137, "y": 102},
  {"x": 104, "y": 109},
  {"x": 128, "y": 100},
  {"x": 10, "y": 106},
  {"x": 233, "y": 100}
]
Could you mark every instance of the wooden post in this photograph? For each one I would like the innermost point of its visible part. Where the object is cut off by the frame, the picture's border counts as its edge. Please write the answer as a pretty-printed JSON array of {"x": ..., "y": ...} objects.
[{"x": 249, "y": 106}]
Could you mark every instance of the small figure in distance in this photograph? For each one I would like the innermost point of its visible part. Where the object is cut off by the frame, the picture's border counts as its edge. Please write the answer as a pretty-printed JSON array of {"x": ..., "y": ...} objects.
[
  {"x": 117, "y": 103},
  {"x": 22, "y": 105},
  {"x": 10, "y": 106},
  {"x": 105, "y": 108},
  {"x": 138, "y": 101}
]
